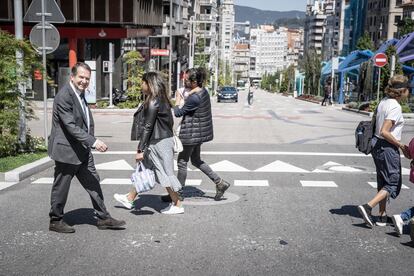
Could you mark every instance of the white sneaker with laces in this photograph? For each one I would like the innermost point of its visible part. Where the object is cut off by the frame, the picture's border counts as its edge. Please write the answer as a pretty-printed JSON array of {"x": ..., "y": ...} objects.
[
  {"x": 123, "y": 199},
  {"x": 398, "y": 224},
  {"x": 173, "y": 210}
]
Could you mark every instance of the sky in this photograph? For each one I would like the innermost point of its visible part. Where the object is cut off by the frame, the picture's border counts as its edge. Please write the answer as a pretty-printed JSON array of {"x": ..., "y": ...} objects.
[{"x": 275, "y": 5}]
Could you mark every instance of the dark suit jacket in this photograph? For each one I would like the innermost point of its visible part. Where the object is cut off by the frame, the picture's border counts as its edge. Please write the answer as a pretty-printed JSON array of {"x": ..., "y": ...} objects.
[{"x": 69, "y": 140}]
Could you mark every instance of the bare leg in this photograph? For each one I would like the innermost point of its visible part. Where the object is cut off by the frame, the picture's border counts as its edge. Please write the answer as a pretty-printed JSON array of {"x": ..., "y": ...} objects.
[
  {"x": 174, "y": 197},
  {"x": 379, "y": 197},
  {"x": 132, "y": 194},
  {"x": 382, "y": 206}
]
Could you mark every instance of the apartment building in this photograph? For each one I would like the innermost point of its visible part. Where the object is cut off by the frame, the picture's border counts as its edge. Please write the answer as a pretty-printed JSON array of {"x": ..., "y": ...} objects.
[
  {"x": 226, "y": 31},
  {"x": 295, "y": 46},
  {"x": 268, "y": 50},
  {"x": 315, "y": 23},
  {"x": 241, "y": 65},
  {"x": 408, "y": 8},
  {"x": 381, "y": 19}
]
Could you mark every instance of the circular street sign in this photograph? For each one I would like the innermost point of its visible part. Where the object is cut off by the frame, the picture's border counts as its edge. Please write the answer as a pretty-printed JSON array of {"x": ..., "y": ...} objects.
[
  {"x": 380, "y": 60},
  {"x": 52, "y": 38}
]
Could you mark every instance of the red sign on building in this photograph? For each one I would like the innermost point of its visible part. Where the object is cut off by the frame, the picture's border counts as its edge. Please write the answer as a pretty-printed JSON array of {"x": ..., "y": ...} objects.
[
  {"x": 380, "y": 60},
  {"x": 160, "y": 52}
]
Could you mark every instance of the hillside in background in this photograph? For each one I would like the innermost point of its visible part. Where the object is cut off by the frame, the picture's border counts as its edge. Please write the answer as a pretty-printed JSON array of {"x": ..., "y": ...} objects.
[{"x": 293, "y": 19}]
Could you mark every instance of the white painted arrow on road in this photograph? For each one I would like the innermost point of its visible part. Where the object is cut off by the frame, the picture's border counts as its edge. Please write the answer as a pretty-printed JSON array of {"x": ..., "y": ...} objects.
[{"x": 279, "y": 166}]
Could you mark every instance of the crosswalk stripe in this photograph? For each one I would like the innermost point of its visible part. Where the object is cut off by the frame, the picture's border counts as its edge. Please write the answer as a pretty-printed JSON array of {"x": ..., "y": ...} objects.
[
  {"x": 193, "y": 182},
  {"x": 118, "y": 165},
  {"x": 44, "y": 180},
  {"x": 4, "y": 185},
  {"x": 116, "y": 181},
  {"x": 324, "y": 184},
  {"x": 251, "y": 183},
  {"x": 374, "y": 185}
]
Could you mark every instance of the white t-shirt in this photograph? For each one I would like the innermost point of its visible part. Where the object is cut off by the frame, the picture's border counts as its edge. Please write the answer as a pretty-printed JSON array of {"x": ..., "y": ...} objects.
[{"x": 390, "y": 109}]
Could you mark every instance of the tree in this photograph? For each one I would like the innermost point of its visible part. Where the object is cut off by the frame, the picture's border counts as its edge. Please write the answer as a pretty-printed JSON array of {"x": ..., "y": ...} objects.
[
  {"x": 365, "y": 43},
  {"x": 134, "y": 61},
  {"x": 405, "y": 26},
  {"x": 201, "y": 58},
  {"x": 288, "y": 80},
  {"x": 312, "y": 66},
  {"x": 10, "y": 94},
  {"x": 386, "y": 70}
]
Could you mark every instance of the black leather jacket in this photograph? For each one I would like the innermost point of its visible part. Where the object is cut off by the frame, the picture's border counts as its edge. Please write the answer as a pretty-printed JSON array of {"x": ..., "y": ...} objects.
[{"x": 158, "y": 123}]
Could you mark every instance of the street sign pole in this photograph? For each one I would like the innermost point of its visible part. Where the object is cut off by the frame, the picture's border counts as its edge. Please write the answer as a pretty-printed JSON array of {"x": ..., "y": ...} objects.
[
  {"x": 44, "y": 71},
  {"x": 18, "y": 23},
  {"x": 379, "y": 83},
  {"x": 111, "y": 62}
]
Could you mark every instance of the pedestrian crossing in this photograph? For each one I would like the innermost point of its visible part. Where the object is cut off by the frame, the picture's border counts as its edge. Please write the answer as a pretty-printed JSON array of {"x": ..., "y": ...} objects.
[
  {"x": 236, "y": 183},
  {"x": 277, "y": 166}
]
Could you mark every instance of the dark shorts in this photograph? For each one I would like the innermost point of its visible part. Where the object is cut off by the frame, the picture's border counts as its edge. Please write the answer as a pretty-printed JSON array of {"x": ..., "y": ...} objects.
[{"x": 388, "y": 164}]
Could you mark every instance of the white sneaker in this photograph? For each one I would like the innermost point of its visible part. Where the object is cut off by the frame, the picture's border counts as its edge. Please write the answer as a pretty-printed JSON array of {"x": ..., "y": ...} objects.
[
  {"x": 123, "y": 199},
  {"x": 172, "y": 210},
  {"x": 398, "y": 224}
]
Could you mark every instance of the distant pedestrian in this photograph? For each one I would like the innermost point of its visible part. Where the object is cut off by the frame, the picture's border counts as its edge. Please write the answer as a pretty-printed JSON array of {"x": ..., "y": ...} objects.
[
  {"x": 196, "y": 129},
  {"x": 156, "y": 146},
  {"x": 70, "y": 143},
  {"x": 385, "y": 152},
  {"x": 327, "y": 92},
  {"x": 249, "y": 94}
]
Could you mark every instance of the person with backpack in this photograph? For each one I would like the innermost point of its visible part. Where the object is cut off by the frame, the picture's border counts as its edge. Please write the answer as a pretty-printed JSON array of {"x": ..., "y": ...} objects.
[
  {"x": 327, "y": 92},
  {"x": 385, "y": 152}
]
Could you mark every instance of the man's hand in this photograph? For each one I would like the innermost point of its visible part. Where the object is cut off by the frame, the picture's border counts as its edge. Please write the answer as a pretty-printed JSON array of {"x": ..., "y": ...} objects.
[
  {"x": 100, "y": 146},
  {"x": 178, "y": 98},
  {"x": 406, "y": 151},
  {"x": 139, "y": 156}
]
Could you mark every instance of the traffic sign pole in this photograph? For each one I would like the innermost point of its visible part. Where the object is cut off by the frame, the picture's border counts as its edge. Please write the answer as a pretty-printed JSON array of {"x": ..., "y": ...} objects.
[
  {"x": 44, "y": 71},
  {"x": 379, "y": 83}
]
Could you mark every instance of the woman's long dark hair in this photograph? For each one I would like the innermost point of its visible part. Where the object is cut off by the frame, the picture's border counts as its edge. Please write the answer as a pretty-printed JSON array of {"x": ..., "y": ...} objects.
[{"x": 157, "y": 87}]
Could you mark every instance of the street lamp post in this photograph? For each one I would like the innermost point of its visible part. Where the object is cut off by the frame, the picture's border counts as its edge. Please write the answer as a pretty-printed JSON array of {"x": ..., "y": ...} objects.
[{"x": 170, "y": 50}]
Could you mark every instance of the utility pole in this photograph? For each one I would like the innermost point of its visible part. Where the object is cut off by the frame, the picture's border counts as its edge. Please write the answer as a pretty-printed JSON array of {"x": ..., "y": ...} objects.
[{"x": 18, "y": 29}]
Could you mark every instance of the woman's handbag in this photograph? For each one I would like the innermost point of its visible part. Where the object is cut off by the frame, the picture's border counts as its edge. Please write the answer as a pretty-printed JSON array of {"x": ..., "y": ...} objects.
[
  {"x": 178, "y": 146},
  {"x": 143, "y": 179}
]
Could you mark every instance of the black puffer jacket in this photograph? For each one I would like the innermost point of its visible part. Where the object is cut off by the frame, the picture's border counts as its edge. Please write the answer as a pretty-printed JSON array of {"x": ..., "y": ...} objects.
[
  {"x": 197, "y": 123},
  {"x": 158, "y": 123}
]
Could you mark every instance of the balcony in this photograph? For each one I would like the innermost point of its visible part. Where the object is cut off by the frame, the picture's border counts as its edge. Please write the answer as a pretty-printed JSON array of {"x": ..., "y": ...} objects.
[
  {"x": 208, "y": 2},
  {"x": 206, "y": 17}
]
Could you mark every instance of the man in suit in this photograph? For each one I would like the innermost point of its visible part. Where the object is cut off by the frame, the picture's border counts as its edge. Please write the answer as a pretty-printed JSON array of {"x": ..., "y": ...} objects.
[{"x": 70, "y": 144}]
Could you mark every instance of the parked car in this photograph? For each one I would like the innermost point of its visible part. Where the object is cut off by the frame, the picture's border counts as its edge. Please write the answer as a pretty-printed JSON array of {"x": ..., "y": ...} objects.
[{"x": 227, "y": 93}]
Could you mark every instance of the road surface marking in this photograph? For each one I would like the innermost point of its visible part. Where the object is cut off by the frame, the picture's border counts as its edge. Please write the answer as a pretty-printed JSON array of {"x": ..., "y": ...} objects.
[
  {"x": 227, "y": 166},
  {"x": 119, "y": 165},
  {"x": 324, "y": 184},
  {"x": 4, "y": 185},
  {"x": 251, "y": 183},
  {"x": 279, "y": 166},
  {"x": 44, "y": 180}
]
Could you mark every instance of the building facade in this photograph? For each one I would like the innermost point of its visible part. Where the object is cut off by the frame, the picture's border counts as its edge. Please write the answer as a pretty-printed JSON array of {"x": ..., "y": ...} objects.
[
  {"x": 226, "y": 31},
  {"x": 241, "y": 62},
  {"x": 382, "y": 18},
  {"x": 315, "y": 23},
  {"x": 268, "y": 50},
  {"x": 295, "y": 46}
]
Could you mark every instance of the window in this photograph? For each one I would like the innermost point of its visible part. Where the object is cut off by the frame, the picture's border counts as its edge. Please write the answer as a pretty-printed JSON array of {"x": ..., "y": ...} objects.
[
  {"x": 397, "y": 18},
  {"x": 4, "y": 11},
  {"x": 67, "y": 9},
  {"x": 114, "y": 11},
  {"x": 85, "y": 10},
  {"x": 128, "y": 11},
  {"x": 100, "y": 10}
]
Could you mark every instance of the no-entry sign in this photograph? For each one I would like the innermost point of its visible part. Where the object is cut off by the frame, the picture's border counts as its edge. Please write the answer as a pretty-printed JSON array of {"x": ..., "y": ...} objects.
[{"x": 380, "y": 60}]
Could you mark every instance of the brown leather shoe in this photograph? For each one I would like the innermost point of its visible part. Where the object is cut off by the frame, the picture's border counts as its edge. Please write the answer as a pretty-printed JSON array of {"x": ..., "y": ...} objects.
[
  {"x": 61, "y": 227},
  {"x": 110, "y": 223}
]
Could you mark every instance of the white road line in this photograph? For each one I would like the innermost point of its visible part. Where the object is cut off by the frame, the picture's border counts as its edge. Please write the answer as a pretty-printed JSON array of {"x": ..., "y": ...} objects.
[
  {"x": 279, "y": 166},
  {"x": 116, "y": 181},
  {"x": 44, "y": 180},
  {"x": 324, "y": 184},
  {"x": 251, "y": 183},
  {"x": 227, "y": 166},
  {"x": 295, "y": 153},
  {"x": 193, "y": 182},
  {"x": 4, "y": 185},
  {"x": 374, "y": 185},
  {"x": 118, "y": 165}
]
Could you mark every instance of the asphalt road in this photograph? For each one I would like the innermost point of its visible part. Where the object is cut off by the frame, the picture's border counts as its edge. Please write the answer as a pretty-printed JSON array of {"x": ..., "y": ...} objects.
[{"x": 296, "y": 181}]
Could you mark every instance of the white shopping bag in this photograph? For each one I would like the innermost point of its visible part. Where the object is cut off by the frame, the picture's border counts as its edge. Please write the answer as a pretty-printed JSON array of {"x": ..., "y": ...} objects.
[{"x": 143, "y": 179}]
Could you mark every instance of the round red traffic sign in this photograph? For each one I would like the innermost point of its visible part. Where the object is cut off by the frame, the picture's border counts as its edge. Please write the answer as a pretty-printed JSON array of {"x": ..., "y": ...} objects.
[{"x": 380, "y": 60}]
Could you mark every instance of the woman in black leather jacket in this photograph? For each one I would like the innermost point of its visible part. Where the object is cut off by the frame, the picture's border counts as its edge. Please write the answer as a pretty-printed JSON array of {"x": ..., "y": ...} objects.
[{"x": 156, "y": 141}]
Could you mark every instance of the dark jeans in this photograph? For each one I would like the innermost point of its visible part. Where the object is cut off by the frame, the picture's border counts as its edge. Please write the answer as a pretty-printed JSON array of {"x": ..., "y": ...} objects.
[
  {"x": 88, "y": 178},
  {"x": 327, "y": 97},
  {"x": 193, "y": 152}
]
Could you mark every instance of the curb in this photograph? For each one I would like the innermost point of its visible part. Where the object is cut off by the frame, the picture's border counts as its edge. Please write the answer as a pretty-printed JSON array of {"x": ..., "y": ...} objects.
[
  {"x": 309, "y": 101},
  {"x": 27, "y": 170},
  {"x": 366, "y": 113}
]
